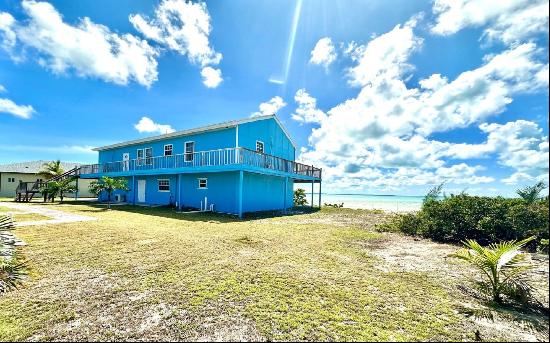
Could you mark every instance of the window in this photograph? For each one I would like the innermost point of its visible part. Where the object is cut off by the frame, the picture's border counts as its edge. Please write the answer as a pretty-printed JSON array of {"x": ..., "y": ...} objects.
[
  {"x": 145, "y": 156},
  {"x": 168, "y": 149},
  {"x": 260, "y": 146},
  {"x": 164, "y": 185},
  {"x": 189, "y": 150},
  {"x": 140, "y": 155},
  {"x": 203, "y": 183},
  {"x": 11, "y": 179},
  {"x": 148, "y": 156}
]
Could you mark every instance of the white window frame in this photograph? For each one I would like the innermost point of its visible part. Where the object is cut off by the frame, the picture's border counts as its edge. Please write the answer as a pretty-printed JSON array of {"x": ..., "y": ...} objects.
[
  {"x": 139, "y": 159},
  {"x": 205, "y": 179},
  {"x": 148, "y": 159},
  {"x": 158, "y": 185},
  {"x": 171, "y": 149},
  {"x": 144, "y": 160},
  {"x": 263, "y": 147},
  {"x": 188, "y": 156}
]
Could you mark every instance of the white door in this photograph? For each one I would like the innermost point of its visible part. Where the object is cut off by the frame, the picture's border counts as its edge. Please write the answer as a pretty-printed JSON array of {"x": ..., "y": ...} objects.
[
  {"x": 141, "y": 191},
  {"x": 125, "y": 161}
]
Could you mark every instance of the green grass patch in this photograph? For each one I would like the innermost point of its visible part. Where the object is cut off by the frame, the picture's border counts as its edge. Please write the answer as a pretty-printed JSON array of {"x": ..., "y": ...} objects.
[{"x": 297, "y": 277}]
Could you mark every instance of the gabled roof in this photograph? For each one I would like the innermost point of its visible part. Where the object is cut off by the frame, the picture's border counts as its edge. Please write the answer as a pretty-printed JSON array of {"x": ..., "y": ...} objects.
[
  {"x": 32, "y": 167},
  {"x": 207, "y": 128}
]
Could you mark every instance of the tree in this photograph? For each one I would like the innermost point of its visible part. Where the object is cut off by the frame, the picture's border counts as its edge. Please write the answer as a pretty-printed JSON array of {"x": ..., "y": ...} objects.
[
  {"x": 434, "y": 192},
  {"x": 530, "y": 194},
  {"x": 108, "y": 185},
  {"x": 51, "y": 169},
  {"x": 300, "y": 198},
  {"x": 58, "y": 188},
  {"x": 501, "y": 265}
]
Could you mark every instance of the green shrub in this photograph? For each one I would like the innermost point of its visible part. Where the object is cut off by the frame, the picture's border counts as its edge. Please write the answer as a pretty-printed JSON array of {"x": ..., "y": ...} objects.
[{"x": 458, "y": 218}]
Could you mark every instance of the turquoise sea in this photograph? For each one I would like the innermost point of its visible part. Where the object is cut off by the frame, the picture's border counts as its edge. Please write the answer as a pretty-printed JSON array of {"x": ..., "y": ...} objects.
[{"x": 397, "y": 203}]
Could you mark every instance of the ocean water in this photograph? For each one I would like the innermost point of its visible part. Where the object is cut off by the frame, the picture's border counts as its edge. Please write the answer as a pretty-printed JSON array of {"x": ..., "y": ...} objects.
[{"x": 395, "y": 203}]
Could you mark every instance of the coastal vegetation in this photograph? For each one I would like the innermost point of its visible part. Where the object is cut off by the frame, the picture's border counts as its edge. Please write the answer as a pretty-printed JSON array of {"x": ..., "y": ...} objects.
[{"x": 457, "y": 218}]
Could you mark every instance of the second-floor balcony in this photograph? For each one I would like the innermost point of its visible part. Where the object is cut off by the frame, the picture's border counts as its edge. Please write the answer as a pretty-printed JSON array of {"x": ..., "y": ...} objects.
[{"x": 229, "y": 157}]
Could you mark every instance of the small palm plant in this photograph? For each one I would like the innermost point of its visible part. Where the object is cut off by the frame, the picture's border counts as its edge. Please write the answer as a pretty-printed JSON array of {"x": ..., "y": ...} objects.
[
  {"x": 13, "y": 269},
  {"x": 300, "y": 197},
  {"x": 502, "y": 265},
  {"x": 51, "y": 169},
  {"x": 530, "y": 194},
  {"x": 59, "y": 188},
  {"x": 108, "y": 185}
]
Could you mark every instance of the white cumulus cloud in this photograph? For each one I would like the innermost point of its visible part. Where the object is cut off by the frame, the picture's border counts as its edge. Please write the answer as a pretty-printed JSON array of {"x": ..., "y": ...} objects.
[
  {"x": 507, "y": 21},
  {"x": 270, "y": 107},
  {"x": 184, "y": 27},
  {"x": 307, "y": 111},
  {"x": 87, "y": 49},
  {"x": 146, "y": 124},
  {"x": 323, "y": 53},
  {"x": 10, "y": 107},
  {"x": 381, "y": 138},
  {"x": 211, "y": 77}
]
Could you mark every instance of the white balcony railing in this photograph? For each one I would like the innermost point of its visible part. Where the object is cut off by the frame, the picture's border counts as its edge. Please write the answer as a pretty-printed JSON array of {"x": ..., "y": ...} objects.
[{"x": 219, "y": 157}]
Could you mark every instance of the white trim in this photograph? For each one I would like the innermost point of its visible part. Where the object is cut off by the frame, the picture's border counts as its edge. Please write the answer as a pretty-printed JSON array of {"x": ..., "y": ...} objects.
[
  {"x": 200, "y": 179},
  {"x": 237, "y": 136},
  {"x": 158, "y": 185},
  {"x": 215, "y": 127},
  {"x": 171, "y": 150},
  {"x": 263, "y": 147}
]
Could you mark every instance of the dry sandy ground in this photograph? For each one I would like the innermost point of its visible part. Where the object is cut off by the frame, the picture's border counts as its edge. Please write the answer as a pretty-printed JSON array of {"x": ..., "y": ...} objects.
[{"x": 406, "y": 253}]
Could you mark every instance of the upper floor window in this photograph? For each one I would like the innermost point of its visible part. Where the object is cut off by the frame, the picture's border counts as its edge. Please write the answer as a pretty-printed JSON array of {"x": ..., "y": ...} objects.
[
  {"x": 260, "y": 146},
  {"x": 163, "y": 185},
  {"x": 189, "y": 151},
  {"x": 168, "y": 148},
  {"x": 11, "y": 179},
  {"x": 145, "y": 156}
]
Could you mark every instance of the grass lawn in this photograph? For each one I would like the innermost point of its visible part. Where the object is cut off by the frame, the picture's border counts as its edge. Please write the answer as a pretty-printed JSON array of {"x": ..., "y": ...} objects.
[
  {"x": 152, "y": 274},
  {"x": 25, "y": 217}
]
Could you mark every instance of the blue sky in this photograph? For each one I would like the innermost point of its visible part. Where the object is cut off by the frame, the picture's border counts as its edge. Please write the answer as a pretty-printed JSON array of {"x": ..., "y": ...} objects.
[{"x": 387, "y": 97}]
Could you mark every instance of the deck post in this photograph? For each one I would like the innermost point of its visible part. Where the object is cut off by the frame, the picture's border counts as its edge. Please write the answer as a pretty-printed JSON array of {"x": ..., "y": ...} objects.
[
  {"x": 179, "y": 192},
  {"x": 240, "y": 194},
  {"x": 133, "y": 190},
  {"x": 319, "y": 193},
  {"x": 76, "y": 192},
  {"x": 285, "y": 194},
  {"x": 312, "y": 184}
]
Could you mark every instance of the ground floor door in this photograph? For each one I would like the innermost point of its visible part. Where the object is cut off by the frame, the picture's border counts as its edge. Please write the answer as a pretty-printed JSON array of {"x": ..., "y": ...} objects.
[{"x": 141, "y": 190}]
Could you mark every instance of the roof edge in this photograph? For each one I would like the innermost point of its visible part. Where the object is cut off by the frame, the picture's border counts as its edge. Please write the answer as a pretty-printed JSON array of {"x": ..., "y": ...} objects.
[{"x": 201, "y": 129}]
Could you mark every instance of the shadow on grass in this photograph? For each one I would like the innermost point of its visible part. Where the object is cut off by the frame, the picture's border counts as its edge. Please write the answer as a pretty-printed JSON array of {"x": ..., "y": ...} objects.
[
  {"x": 532, "y": 312},
  {"x": 169, "y": 212}
]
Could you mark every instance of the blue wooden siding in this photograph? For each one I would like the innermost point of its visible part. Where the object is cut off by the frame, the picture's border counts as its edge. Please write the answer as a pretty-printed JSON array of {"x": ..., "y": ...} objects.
[
  {"x": 220, "y": 139},
  {"x": 221, "y": 191},
  {"x": 263, "y": 188},
  {"x": 264, "y": 192},
  {"x": 276, "y": 143}
]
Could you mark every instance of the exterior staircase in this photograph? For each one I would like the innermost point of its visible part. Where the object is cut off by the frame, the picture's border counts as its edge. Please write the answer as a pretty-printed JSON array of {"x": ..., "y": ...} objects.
[{"x": 25, "y": 191}]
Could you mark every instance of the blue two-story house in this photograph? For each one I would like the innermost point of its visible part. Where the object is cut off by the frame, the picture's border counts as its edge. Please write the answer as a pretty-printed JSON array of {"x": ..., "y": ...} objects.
[{"x": 233, "y": 167}]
